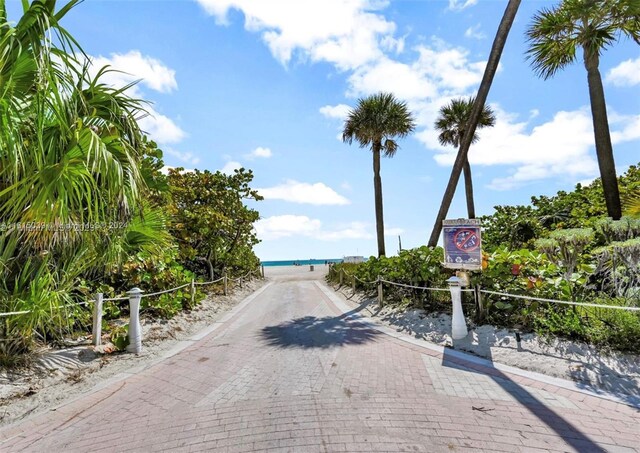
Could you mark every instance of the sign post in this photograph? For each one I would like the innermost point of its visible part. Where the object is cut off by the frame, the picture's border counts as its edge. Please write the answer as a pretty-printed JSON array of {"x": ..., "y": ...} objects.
[{"x": 462, "y": 251}]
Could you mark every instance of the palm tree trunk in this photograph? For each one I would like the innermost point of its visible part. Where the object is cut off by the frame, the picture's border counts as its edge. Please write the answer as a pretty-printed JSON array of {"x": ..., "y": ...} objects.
[
  {"x": 468, "y": 189},
  {"x": 377, "y": 188},
  {"x": 604, "y": 149},
  {"x": 489, "y": 72}
]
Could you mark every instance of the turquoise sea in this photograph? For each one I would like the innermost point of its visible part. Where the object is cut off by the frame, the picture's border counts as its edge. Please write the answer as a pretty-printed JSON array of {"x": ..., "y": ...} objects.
[{"x": 300, "y": 262}]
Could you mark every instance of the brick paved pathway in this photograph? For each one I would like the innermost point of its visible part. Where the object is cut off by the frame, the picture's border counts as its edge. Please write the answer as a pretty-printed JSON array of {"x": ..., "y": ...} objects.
[{"x": 289, "y": 372}]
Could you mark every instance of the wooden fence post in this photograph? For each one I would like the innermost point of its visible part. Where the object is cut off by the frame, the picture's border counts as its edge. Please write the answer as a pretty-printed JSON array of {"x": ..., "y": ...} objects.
[
  {"x": 97, "y": 320},
  {"x": 224, "y": 279},
  {"x": 380, "y": 294},
  {"x": 262, "y": 267},
  {"x": 353, "y": 283},
  {"x": 341, "y": 276},
  {"x": 193, "y": 292}
]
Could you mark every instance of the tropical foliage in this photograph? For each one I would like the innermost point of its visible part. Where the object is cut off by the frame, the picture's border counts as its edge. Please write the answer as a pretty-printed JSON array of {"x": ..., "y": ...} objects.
[
  {"x": 561, "y": 247},
  {"x": 376, "y": 122},
  {"x": 84, "y": 207},
  {"x": 212, "y": 224},
  {"x": 591, "y": 26}
]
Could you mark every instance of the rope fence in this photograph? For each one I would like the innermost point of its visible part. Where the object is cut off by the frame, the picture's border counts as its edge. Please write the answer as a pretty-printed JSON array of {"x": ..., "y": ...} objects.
[
  {"x": 134, "y": 297},
  {"x": 565, "y": 302},
  {"x": 476, "y": 292}
]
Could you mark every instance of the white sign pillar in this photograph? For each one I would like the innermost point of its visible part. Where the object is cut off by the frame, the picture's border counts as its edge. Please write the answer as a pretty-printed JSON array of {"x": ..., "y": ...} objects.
[
  {"x": 135, "y": 329},
  {"x": 458, "y": 323}
]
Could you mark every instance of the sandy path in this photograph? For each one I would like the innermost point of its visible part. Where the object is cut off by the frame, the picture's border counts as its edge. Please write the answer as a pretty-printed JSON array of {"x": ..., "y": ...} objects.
[
  {"x": 58, "y": 375},
  {"x": 287, "y": 370}
]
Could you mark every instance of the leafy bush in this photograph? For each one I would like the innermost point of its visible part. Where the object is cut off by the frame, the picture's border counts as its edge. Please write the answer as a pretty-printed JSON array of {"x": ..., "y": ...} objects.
[
  {"x": 416, "y": 267},
  {"x": 612, "y": 328}
]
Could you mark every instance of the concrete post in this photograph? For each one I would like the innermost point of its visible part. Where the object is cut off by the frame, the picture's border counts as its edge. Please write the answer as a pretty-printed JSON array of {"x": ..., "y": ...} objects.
[
  {"x": 458, "y": 323},
  {"x": 224, "y": 279},
  {"x": 135, "y": 329},
  {"x": 97, "y": 320},
  {"x": 380, "y": 293},
  {"x": 480, "y": 306}
]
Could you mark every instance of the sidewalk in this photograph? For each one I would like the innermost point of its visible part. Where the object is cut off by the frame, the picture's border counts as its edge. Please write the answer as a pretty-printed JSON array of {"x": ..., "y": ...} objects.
[{"x": 289, "y": 370}]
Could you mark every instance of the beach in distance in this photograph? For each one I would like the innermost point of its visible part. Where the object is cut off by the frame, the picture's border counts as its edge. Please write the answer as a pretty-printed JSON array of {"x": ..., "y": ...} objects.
[{"x": 301, "y": 262}]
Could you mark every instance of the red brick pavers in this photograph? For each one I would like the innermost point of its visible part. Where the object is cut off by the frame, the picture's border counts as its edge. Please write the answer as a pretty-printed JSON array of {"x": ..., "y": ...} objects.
[{"x": 289, "y": 373}]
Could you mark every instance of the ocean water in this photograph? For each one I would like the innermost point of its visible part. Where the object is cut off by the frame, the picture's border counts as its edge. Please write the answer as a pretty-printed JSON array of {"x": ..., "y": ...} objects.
[{"x": 301, "y": 262}]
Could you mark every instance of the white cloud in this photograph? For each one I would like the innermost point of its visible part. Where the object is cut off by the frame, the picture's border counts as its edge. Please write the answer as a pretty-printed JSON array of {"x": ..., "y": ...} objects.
[
  {"x": 165, "y": 170},
  {"x": 183, "y": 156},
  {"x": 161, "y": 128},
  {"x": 559, "y": 147},
  {"x": 439, "y": 69},
  {"x": 347, "y": 33},
  {"x": 404, "y": 80},
  {"x": 339, "y": 112},
  {"x": 346, "y": 186},
  {"x": 132, "y": 66},
  {"x": 152, "y": 73},
  {"x": 259, "y": 152},
  {"x": 304, "y": 193},
  {"x": 230, "y": 167},
  {"x": 459, "y": 5},
  {"x": 276, "y": 227},
  {"x": 393, "y": 231},
  {"x": 629, "y": 127},
  {"x": 474, "y": 32},
  {"x": 626, "y": 73},
  {"x": 353, "y": 230}
]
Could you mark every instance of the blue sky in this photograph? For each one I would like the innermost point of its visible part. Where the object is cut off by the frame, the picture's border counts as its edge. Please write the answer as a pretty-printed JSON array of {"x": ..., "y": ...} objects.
[{"x": 266, "y": 84}]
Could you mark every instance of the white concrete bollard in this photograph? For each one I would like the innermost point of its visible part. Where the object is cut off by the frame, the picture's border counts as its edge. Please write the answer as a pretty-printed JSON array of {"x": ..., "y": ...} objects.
[
  {"x": 458, "y": 323},
  {"x": 135, "y": 329},
  {"x": 97, "y": 320}
]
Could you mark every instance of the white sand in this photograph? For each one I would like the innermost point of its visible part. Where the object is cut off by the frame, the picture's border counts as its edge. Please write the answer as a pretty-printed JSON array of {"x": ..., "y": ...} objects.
[
  {"x": 58, "y": 375},
  {"x": 610, "y": 371}
]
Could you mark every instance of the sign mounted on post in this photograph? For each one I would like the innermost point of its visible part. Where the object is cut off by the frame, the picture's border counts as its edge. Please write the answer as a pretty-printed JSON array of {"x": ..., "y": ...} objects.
[{"x": 462, "y": 244}]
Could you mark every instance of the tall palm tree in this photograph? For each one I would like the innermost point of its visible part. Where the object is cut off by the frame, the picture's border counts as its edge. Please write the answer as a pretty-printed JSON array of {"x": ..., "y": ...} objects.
[
  {"x": 452, "y": 124},
  {"x": 376, "y": 122},
  {"x": 483, "y": 91},
  {"x": 592, "y": 25}
]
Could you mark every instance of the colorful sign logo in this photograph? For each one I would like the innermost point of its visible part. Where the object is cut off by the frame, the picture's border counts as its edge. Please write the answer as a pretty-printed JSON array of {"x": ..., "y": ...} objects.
[{"x": 462, "y": 244}]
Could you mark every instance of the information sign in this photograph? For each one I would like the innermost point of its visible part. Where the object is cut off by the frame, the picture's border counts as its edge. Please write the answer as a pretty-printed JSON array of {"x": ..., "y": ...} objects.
[{"x": 462, "y": 244}]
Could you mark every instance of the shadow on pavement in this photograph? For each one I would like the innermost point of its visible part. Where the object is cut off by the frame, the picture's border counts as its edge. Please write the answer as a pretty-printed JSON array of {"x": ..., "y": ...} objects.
[
  {"x": 562, "y": 427},
  {"x": 313, "y": 332}
]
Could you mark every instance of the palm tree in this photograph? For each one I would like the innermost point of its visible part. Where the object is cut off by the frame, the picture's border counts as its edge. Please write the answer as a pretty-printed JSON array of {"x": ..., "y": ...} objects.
[
  {"x": 69, "y": 154},
  {"x": 592, "y": 25},
  {"x": 452, "y": 124},
  {"x": 485, "y": 85},
  {"x": 376, "y": 122}
]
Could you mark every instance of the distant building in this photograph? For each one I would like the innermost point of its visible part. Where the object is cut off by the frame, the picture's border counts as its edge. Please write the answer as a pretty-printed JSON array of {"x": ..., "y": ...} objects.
[{"x": 353, "y": 259}]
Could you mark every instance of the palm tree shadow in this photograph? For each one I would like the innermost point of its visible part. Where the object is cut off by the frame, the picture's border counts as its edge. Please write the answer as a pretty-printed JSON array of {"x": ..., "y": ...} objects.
[
  {"x": 555, "y": 422},
  {"x": 312, "y": 332}
]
